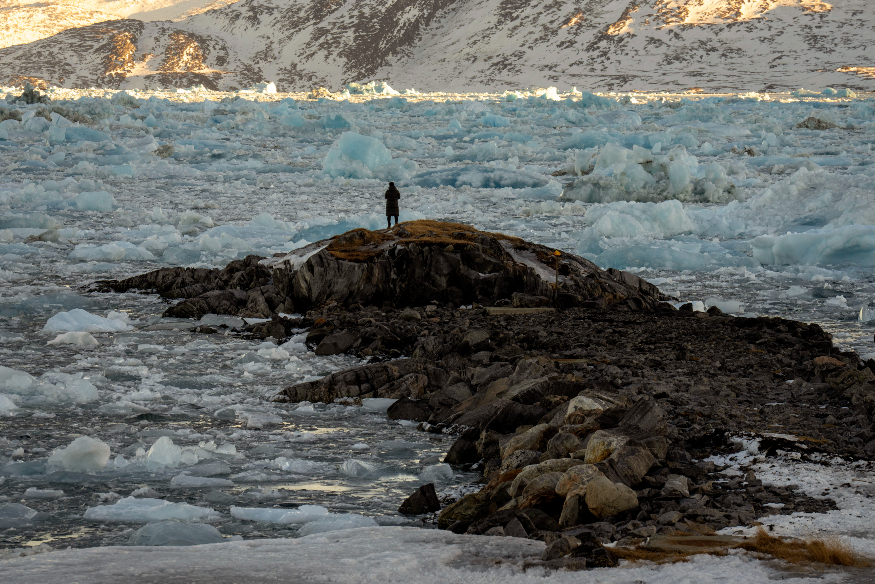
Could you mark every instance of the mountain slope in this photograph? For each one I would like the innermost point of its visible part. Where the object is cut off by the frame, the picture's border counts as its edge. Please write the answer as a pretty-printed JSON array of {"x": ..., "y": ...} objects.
[{"x": 443, "y": 45}]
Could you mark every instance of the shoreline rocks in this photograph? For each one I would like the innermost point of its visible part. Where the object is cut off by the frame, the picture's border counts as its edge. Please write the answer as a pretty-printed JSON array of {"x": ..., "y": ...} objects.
[{"x": 589, "y": 424}]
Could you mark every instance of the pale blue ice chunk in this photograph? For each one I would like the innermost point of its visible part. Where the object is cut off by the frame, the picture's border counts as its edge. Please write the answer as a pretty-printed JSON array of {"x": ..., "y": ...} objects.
[
  {"x": 302, "y": 514},
  {"x": 96, "y": 201},
  {"x": 145, "y": 510},
  {"x": 175, "y": 533},
  {"x": 481, "y": 177},
  {"x": 337, "y": 522},
  {"x": 85, "y": 134}
]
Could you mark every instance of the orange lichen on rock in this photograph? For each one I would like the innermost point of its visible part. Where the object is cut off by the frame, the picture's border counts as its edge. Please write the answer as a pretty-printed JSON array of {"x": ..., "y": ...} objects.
[{"x": 362, "y": 244}]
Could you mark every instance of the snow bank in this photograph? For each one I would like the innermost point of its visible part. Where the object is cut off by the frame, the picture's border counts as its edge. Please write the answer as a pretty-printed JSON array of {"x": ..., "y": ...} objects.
[{"x": 375, "y": 554}]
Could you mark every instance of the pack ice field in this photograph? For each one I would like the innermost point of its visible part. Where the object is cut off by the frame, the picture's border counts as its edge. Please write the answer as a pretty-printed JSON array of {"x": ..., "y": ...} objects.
[{"x": 115, "y": 419}]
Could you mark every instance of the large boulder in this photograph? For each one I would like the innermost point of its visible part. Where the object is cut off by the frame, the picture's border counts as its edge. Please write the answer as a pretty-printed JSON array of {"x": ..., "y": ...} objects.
[{"x": 605, "y": 498}]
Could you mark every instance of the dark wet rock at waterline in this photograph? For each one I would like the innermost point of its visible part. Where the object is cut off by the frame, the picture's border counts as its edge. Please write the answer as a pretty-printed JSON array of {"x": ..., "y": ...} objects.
[{"x": 423, "y": 500}]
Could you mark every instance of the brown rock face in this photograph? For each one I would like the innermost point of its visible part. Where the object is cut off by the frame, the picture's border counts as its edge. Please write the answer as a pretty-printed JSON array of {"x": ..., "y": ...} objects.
[
  {"x": 424, "y": 261},
  {"x": 413, "y": 265}
]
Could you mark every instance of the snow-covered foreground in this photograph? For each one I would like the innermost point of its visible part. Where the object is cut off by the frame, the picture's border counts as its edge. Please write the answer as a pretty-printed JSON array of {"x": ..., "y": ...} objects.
[
  {"x": 114, "y": 419},
  {"x": 389, "y": 555}
]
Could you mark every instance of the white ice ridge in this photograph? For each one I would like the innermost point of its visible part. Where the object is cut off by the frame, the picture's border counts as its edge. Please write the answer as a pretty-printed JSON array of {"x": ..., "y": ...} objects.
[{"x": 390, "y": 555}]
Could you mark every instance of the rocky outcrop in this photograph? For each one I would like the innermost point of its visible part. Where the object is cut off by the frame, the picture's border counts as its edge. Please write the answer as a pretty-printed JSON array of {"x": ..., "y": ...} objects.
[
  {"x": 593, "y": 420},
  {"x": 428, "y": 261},
  {"x": 415, "y": 264}
]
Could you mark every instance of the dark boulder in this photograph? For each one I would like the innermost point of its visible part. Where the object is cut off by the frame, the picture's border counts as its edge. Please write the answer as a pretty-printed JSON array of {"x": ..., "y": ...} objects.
[{"x": 423, "y": 500}]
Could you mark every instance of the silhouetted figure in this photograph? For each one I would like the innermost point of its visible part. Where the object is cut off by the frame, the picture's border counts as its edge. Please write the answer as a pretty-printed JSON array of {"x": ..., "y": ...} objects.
[{"x": 392, "y": 196}]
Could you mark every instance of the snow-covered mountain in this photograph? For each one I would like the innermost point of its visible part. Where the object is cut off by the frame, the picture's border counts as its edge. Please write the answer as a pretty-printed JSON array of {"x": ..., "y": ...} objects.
[
  {"x": 445, "y": 45},
  {"x": 26, "y": 21}
]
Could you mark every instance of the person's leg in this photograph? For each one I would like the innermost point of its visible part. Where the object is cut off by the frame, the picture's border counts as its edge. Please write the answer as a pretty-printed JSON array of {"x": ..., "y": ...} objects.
[
  {"x": 389, "y": 221},
  {"x": 396, "y": 220}
]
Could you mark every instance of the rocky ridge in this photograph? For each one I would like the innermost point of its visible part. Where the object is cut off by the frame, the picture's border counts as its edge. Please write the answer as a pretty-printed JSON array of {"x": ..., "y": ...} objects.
[{"x": 590, "y": 424}]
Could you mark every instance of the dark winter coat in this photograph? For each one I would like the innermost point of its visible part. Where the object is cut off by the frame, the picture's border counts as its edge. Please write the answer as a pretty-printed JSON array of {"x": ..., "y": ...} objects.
[{"x": 392, "y": 196}]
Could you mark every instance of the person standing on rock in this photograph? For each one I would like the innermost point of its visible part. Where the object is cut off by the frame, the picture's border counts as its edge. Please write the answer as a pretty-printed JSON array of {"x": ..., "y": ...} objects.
[{"x": 392, "y": 195}]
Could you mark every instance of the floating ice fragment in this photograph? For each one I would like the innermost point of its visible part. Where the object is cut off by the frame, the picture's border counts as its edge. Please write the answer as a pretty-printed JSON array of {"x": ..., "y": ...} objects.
[
  {"x": 302, "y": 514},
  {"x": 16, "y": 515},
  {"x": 35, "y": 493},
  {"x": 78, "y": 320},
  {"x": 84, "y": 454},
  {"x": 184, "y": 480},
  {"x": 80, "y": 339},
  {"x": 727, "y": 306},
  {"x": 7, "y": 406},
  {"x": 377, "y": 404},
  {"x": 438, "y": 473},
  {"x": 96, "y": 201},
  {"x": 866, "y": 314},
  {"x": 164, "y": 453},
  {"x": 360, "y": 468},
  {"x": 132, "y": 509},
  {"x": 337, "y": 522},
  {"x": 175, "y": 533}
]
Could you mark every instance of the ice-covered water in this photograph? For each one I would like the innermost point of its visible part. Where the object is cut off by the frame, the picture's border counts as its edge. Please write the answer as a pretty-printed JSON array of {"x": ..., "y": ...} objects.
[{"x": 723, "y": 200}]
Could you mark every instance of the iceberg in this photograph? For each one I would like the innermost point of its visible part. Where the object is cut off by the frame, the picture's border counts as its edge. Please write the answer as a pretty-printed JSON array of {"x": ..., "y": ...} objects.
[
  {"x": 78, "y": 320},
  {"x": 84, "y": 454},
  {"x": 144, "y": 510}
]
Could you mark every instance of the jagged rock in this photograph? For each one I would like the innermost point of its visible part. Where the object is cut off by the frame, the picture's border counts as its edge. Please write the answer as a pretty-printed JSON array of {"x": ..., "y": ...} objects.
[
  {"x": 570, "y": 515},
  {"x": 676, "y": 486},
  {"x": 560, "y": 548},
  {"x": 813, "y": 123},
  {"x": 561, "y": 445},
  {"x": 543, "y": 484},
  {"x": 602, "y": 444},
  {"x": 514, "y": 528},
  {"x": 408, "y": 409},
  {"x": 576, "y": 477},
  {"x": 646, "y": 416},
  {"x": 469, "y": 508},
  {"x": 368, "y": 381},
  {"x": 605, "y": 498},
  {"x": 531, "y": 439},
  {"x": 423, "y": 500},
  {"x": 530, "y": 473},
  {"x": 464, "y": 449},
  {"x": 631, "y": 463},
  {"x": 337, "y": 343},
  {"x": 520, "y": 459}
]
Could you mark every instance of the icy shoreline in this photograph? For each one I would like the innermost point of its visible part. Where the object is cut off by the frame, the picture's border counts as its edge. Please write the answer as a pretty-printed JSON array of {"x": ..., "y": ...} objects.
[{"x": 149, "y": 179}]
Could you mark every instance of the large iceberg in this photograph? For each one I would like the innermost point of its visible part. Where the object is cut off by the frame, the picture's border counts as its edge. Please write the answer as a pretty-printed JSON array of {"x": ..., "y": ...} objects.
[
  {"x": 78, "y": 320},
  {"x": 357, "y": 156}
]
